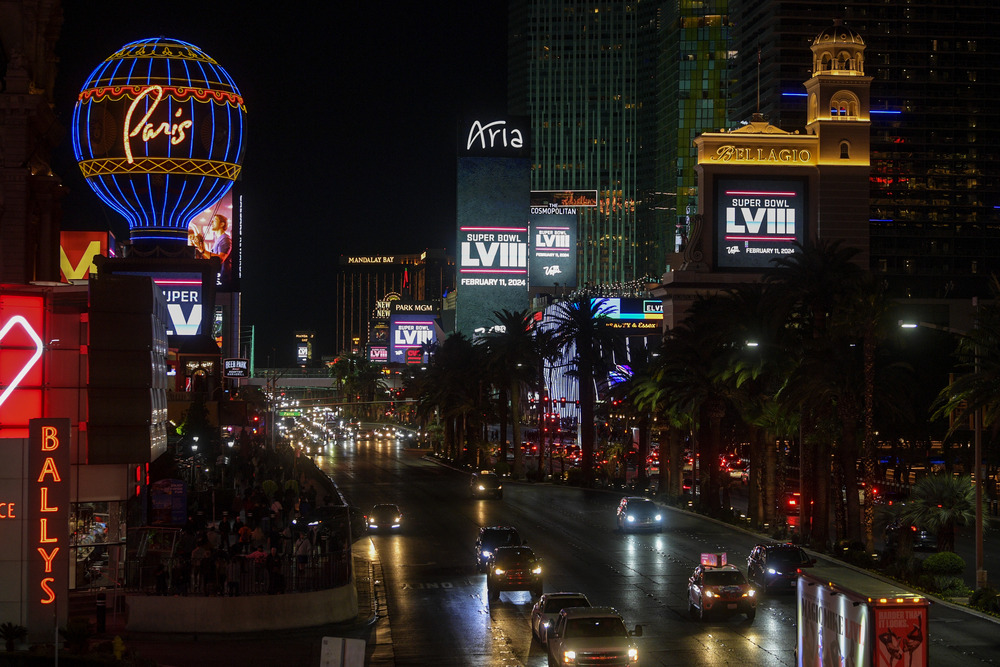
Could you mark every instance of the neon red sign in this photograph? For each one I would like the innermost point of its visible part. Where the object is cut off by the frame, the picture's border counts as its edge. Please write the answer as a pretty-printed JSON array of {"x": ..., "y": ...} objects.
[
  {"x": 48, "y": 515},
  {"x": 21, "y": 349}
]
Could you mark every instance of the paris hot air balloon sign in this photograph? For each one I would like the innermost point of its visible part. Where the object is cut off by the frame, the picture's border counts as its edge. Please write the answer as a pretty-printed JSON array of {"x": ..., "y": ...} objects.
[{"x": 158, "y": 132}]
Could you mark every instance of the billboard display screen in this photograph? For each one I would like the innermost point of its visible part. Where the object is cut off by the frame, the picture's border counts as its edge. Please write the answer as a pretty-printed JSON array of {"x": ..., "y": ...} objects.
[
  {"x": 77, "y": 251},
  {"x": 409, "y": 332},
  {"x": 185, "y": 300},
  {"x": 552, "y": 261},
  {"x": 492, "y": 258},
  {"x": 636, "y": 317},
  {"x": 757, "y": 220},
  {"x": 215, "y": 232}
]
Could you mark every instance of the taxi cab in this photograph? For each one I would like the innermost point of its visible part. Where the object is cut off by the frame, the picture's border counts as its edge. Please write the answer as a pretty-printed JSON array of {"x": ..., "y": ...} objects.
[{"x": 718, "y": 589}]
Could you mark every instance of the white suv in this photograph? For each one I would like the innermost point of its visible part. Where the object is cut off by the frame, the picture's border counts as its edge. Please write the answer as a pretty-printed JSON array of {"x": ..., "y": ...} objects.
[{"x": 592, "y": 636}]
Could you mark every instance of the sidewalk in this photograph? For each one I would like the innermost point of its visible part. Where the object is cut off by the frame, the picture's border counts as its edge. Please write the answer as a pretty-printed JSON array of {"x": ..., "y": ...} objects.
[{"x": 294, "y": 648}]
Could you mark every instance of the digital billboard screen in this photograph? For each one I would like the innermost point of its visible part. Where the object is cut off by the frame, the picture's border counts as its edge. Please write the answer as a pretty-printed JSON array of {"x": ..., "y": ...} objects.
[
  {"x": 492, "y": 243},
  {"x": 409, "y": 333},
  {"x": 215, "y": 232},
  {"x": 552, "y": 261},
  {"x": 184, "y": 297},
  {"x": 757, "y": 220},
  {"x": 77, "y": 251},
  {"x": 634, "y": 317}
]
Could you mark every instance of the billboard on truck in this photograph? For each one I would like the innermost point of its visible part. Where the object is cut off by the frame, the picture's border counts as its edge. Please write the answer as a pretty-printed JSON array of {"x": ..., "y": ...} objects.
[{"x": 851, "y": 618}]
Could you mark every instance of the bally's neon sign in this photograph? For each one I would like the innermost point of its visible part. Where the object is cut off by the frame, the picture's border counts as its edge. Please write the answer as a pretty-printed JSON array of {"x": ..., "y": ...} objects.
[
  {"x": 176, "y": 131},
  {"x": 48, "y": 468}
]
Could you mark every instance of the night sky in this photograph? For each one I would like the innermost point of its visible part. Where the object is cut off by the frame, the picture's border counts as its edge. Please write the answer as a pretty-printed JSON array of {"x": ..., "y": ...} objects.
[{"x": 352, "y": 110}]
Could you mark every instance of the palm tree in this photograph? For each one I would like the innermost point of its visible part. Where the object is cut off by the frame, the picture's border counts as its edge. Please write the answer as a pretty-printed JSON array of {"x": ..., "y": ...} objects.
[
  {"x": 580, "y": 330},
  {"x": 513, "y": 359},
  {"x": 812, "y": 282},
  {"x": 940, "y": 504}
]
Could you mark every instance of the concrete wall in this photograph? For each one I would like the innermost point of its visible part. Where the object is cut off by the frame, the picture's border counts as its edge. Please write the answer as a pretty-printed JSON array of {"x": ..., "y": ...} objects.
[{"x": 194, "y": 614}]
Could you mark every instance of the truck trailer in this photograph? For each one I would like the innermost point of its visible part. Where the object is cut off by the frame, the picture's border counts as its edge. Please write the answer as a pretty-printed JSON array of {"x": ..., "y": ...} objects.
[{"x": 848, "y": 618}]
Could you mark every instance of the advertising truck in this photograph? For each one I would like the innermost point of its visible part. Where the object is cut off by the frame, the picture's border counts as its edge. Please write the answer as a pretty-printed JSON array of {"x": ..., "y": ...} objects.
[{"x": 850, "y": 618}]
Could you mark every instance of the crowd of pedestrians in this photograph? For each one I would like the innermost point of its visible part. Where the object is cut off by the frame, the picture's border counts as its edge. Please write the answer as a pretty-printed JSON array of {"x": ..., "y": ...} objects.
[{"x": 256, "y": 546}]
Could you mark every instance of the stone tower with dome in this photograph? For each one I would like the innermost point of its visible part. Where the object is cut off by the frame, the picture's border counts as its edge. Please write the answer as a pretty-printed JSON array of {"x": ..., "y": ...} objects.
[{"x": 838, "y": 105}]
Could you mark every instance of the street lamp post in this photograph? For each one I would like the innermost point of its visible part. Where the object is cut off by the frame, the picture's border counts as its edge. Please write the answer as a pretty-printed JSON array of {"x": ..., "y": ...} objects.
[{"x": 977, "y": 450}]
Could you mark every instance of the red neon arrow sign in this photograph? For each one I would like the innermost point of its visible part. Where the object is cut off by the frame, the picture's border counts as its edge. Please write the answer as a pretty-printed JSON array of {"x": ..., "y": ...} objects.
[{"x": 18, "y": 319}]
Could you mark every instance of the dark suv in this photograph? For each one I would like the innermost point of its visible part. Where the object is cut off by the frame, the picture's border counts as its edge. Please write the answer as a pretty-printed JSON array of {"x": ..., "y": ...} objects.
[
  {"x": 485, "y": 484},
  {"x": 775, "y": 566},
  {"x": 492, "y": 537},
  {"x": 513, "y": 569}
]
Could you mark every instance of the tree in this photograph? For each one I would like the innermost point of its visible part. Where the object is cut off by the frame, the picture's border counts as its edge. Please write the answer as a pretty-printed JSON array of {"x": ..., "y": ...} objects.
[
  {"x": 513, "y": 360},
  {"x": 940, "y": 504},
  {"x": 812, "y": 282},
  {"x": 581, "y": 332}
]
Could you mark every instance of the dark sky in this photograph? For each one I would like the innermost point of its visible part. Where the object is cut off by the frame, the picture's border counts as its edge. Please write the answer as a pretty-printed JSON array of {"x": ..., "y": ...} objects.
[{"x": 352, "y": 110}]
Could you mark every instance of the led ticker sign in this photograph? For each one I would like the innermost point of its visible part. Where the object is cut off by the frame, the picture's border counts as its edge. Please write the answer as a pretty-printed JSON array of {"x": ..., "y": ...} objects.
[
  {"x": 563, "y": 198},
  {"x": 48, "y": 518},
  {"x": 757, "y": 220},
  {"x": 158, "y": 134}
]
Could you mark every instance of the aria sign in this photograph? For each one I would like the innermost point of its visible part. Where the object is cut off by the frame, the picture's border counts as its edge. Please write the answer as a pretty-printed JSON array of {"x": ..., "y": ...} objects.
[{"x": 497, "y": 137}]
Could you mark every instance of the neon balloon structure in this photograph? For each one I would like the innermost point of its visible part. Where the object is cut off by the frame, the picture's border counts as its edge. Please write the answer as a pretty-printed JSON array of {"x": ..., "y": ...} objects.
[{"x": 158, "y": 132}]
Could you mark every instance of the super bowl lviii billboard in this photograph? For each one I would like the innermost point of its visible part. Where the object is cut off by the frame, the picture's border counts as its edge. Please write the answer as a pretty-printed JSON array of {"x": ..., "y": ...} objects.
[
  {"x": 493, "y": 196},
  {"x": 757, "y": 220},
  {"x": 552, "y": 219}
]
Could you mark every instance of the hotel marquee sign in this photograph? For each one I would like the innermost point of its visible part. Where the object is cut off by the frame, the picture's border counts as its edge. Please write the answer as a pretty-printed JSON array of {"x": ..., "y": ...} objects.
[{"x": 731, "y": 153}]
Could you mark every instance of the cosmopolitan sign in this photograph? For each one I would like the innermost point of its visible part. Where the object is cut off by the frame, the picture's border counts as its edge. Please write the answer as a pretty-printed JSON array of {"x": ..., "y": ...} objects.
[
  {"x": 757, "y": 220},
  {"x": 48, "y": 518}
]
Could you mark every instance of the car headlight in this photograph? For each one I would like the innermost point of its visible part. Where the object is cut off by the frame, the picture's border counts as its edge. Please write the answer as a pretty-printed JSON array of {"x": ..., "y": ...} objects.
[
  {"x": 709, "y": 594},
  {"x": 498, "y": 571},
  {"x": 771, "y": 570},
  {"x": 396, "y": 520},
  {"x": 633, "y": 655},
  {"x": 630, "y": 518},
  {"x": 372, "y": 524},
  {"x": 546, "y": 624},
  {"x": 658, "y": 517},
  {"x": 482, "y": 488},
  {"x": 537, "y": 569},
  {"x": 750, "y": 593},
  {"x": 569, "y": 656},
  {"x": 487, "y": 554}
]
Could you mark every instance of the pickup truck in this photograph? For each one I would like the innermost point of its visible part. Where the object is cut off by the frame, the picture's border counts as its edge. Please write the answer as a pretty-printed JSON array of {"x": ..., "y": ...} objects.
[{"x": 592, "y": 636}]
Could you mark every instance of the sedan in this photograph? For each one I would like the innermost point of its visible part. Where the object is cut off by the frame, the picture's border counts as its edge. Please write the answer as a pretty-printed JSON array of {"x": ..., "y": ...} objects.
[
  {"x": 547, "y": 609},
  {"x": 776, "y": 566},
  {"x": 385, "y": 517}
]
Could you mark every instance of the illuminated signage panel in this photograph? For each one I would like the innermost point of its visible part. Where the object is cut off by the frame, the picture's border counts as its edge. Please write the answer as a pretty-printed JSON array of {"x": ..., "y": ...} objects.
[
  {"x": 638, "y": 317},
  {"x": 410, "y": 332},
  {"x": 77, "y": 251},
  {"x": 757, "y": 220},
  {"x": 22, "y": 332},
  {"x": 492, "y": 258},
  {"x": 236, "y": 368},
  {"x": 494, "y": 136},
  {"x": 47, "y": 515},
  {"x": 215, "y": 232},
  {"x": 184, "y": 297},
  {"x": 378, "y": 354},
  {"x": 553, "y": 246},
  {"x": 564, "y": 198}
]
